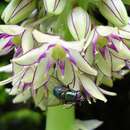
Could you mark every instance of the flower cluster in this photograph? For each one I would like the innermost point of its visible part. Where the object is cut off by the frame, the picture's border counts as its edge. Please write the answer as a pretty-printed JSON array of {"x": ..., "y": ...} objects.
[{"x": 58, "y": 44}]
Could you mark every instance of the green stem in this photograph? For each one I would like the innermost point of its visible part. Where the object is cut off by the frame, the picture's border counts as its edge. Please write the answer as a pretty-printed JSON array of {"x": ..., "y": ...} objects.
[
  {"x": 41, "y": 20},
  {"x": 60, "y": 118}
]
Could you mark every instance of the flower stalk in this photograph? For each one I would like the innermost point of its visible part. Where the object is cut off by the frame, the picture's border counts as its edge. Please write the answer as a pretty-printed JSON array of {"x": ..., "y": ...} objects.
[{"x": 60, "y": 118}]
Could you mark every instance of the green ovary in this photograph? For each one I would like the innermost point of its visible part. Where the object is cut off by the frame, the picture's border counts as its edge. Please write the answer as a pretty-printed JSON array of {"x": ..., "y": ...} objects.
[
  {"x": 58, "y": 53},
  {"x": 102, "y": 41},
  {"x": 16, "y": 40}
]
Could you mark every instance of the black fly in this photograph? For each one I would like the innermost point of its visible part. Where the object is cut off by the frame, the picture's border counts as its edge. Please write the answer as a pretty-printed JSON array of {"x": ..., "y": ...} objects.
[{"x": 67, "y": 95}]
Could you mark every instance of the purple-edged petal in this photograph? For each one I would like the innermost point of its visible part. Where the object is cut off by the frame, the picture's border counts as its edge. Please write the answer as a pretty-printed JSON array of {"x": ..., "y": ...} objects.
[
  {"x": 123, "y": 51},
  {"x": 40, "y": 74},
  {"x": 30, "y": 57},
  {"x": 68, "y": 76},
  {"x": 82, "y": 64},
  {"x": 91, "y": 88}
]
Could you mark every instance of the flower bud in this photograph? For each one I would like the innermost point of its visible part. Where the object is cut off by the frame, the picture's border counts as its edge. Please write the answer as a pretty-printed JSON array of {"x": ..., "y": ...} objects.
[
  {"x": 18, "y": 10},
  {"x": 114, "y": 11},
  {"x": 79, "y": 23},
  {"x": 54, "y": 6}
]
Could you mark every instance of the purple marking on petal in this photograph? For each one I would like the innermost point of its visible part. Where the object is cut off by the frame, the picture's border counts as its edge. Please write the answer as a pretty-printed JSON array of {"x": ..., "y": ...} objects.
[
  {"x": 85, "y": 92},
  {"x": 8, "y": 44},
  {"x": 94, "y": 43},
  {"x": 116, "y": 37},
  {"x": 42, "y": 56},
  {"x": 65, "y": 49},
  {"x": 26, "y": 85},
  {"x": 72, "y": 59},
  {"x": 18, "y": 52},
  {"x": 48, "y": 66},
  {"x": 103, "y": 51},
  {"x": 61, "y": 65},
  {"x": 112, "y": 46},
  {"x": 50, "y": 46},
  {"x": 4, "y": 35}
]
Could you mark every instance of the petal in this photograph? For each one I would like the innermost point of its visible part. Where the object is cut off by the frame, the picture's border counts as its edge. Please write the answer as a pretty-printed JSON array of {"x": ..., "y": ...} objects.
[
  {"x": 107, "y": 81},
  {"x": 87, "y": 125},
  {"x": 124, "y": 32},
  {"x": 114, "y": 11},
  {"x": 40, "y": 75},
  {"x": 82, "y": 64},
  {"x": 44, "y": 38},
  {"x": 16, "y": 81},
  {"x": 104, "y": 63},
  {"x": 6, "y": 68},
  {"x": 117, "y": 63},
  {"x": 123, "y": 51},
  {"x": 89, "y": 54},
  {"x": 9, "y": 80},
  {"x": 107, "y": 92},
  {"x": 22, "y": 97},
  {"x": 91, "y": 88},
  {"x": 30, "y": 57},
  {"x": 5, "y": 46},
  {"x": 106, "y": 30},
  {"x": 76, "y": 45},
  {"x": 79, "y": 23},
  {"x": 99, "y": 78},
  {"x": 54, "y": 6},
  {"x": 28, "y": 75},
  {"x": 91, "y": 37},
  {"x": 39, "y": 97},
  {"x": 27, "y": 41},
  {"x": 68, "y": 75},
  {"x": 11, "y": 29},
  {"x": 75, "y": 85}
]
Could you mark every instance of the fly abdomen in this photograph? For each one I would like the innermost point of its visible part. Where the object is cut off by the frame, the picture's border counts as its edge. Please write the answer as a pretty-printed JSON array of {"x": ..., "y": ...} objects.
[{"x": 70, "y": 96}]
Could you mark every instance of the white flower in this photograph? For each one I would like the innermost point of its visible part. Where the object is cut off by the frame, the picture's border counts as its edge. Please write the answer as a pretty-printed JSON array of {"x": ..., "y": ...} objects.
[
  {"x": 60, "y": 59},
  {"x": 109, "y": 51},
  {"x": 56, "y": 51}
]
